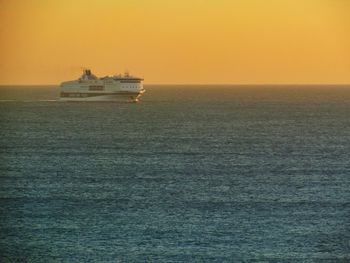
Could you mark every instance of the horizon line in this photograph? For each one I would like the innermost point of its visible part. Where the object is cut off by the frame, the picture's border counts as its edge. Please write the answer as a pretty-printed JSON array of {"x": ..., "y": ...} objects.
[{"x": 210, "y": 84}]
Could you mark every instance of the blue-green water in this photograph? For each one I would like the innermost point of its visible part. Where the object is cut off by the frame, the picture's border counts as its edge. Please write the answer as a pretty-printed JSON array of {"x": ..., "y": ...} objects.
[{"x": 190, "y": 174}]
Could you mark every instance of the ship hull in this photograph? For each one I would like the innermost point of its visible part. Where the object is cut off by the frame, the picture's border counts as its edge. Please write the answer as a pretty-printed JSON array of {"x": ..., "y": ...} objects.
[{"x": 111, "y": 97}]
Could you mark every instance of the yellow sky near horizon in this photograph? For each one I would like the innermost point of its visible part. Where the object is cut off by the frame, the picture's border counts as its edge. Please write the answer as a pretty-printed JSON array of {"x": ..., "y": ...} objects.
[{"x": 193, "y": 41}]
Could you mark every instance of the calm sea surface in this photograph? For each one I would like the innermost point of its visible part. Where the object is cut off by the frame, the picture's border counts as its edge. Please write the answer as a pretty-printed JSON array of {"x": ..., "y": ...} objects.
[{"x": 190, "y": 174}]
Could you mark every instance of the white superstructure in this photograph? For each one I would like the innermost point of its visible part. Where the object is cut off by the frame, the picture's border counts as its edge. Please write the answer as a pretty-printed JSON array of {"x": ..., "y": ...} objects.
[{"x": 90, "y": 88}]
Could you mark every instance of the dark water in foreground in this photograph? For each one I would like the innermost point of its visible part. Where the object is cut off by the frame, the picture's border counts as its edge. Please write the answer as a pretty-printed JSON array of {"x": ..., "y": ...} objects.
[{"x": 190, "y": 174}]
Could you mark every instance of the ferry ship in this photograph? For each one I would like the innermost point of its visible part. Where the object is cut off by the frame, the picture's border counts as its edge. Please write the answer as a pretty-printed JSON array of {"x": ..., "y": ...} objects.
[{"x": 123, "y": 88}]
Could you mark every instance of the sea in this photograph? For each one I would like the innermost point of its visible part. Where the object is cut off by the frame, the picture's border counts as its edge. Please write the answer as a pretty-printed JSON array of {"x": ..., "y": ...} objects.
[{"x": 192, "y": 173}]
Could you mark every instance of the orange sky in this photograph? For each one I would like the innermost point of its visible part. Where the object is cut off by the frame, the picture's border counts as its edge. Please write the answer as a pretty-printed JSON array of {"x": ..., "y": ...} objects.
[{"x": 176, "y": 41}]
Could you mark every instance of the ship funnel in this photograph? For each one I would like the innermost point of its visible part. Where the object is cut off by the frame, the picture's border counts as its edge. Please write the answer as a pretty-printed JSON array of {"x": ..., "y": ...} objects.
[
  {"x": 87, "y": 72},
  {"x": 87, "y": 75}
]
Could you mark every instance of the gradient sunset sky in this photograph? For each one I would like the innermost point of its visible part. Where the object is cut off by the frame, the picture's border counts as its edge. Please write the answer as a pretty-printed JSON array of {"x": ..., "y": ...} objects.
[{"x": 176, "y": 42}]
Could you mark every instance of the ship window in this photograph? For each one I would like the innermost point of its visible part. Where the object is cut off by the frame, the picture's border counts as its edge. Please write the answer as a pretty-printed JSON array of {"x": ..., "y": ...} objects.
[{"x": 96, "y": 87}]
